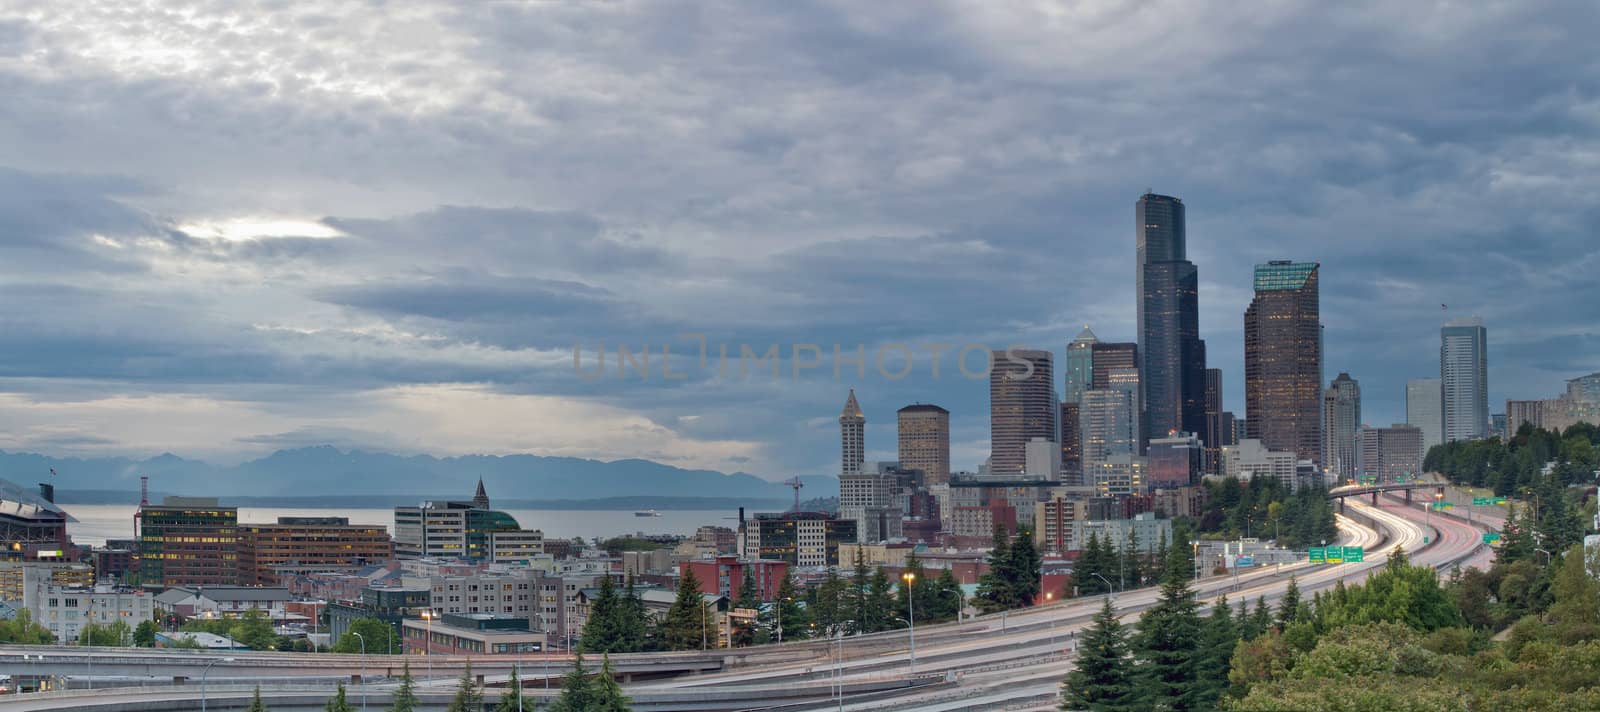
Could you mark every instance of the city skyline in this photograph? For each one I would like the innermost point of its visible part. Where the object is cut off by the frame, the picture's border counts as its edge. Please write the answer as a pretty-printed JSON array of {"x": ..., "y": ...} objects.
[{"x": 178, "y": 288}]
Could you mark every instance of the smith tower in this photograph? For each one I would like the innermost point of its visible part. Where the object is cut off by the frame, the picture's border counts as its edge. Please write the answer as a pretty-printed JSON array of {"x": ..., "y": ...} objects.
[
  {"x": 1172, "y": 356},
  {"x": 852, "y": 437}
]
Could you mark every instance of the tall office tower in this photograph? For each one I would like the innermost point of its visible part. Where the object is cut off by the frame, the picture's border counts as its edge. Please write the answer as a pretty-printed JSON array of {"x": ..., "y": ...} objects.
[
  {"x": 1391, "y": 453},
  {"x": 1217, "y": 433},
  {"x": 1464, "y": 379},
  {"x": 1022, "y": 406},
  {"x": 1283, "y": 360},
  {"x": 1341, "y": 419},
  {"x": 1071, "y": 443},
  {"x": 852, "y": 437},
  {"x": 925, "y": 441},
  {"x": 1424, "y": 399},
  {"x": 189, "y": 541},
  {"x": 1080, "y": 366},
  {"x": 1115, "y": 356},
  {"x": 1109, "y": 419},
  {"x": 1172, "y": 366}
]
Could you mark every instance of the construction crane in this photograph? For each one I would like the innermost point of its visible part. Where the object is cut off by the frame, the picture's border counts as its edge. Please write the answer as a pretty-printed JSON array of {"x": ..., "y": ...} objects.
[
  {"x": 144, "y": 501},
  {"x": 795, "y": 484}
]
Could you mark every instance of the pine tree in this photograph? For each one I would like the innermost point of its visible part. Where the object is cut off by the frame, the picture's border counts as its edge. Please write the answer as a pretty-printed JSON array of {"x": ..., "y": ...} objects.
[
  {"x": 256, "y": 705},
  {"x": 750, "y": 598},
  {"x": 1167, "y": 647},
  {"x": 513, "y": 699},
  {"x": 688, "y": 623},
  {"x": 1218, "y": 637},
  {"x": 994, "y": 586},
  {"x": 1289, "y": 605},
  {"x": 1022, "y": 569},
  {"x": 469, "y": 697},
  {"x": 405, "y": 697},
  {"x": 880, "y": 602},
  {"x": 1090, "y": 562},
  {"x": 1131, "y": 565},
  {"x": 828, "y": 604},
  {"x": 791, "y": 615},
  {"x": 608, "y": 695},
  {"x": 858, "y": 595},
  {"x": 603, "y": 630},
  {"x": 1102, "y": 678},
  {"x": 338, "y": 703},
  {"x": 1247, "y": 630},
  {"x": 1180, "y": 558},
  {"x": 947, "y": 601},
  {"x": 577, "y": 692},
  {"x": 1261, "y": 621},
  {"x": 635, "y": 621}
]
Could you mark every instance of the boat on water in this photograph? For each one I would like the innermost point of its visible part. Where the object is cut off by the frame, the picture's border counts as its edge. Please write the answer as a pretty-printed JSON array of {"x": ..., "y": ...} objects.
[{"x": 647, "y": 513}]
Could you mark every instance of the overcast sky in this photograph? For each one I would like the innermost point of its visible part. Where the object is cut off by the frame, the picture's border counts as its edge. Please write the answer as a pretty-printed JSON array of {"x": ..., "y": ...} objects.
[{"x": 229, "y": 227}]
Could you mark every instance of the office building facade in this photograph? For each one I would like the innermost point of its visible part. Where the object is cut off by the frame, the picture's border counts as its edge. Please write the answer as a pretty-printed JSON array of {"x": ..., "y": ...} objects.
[
  {"x": 1174, "y": 461},
  {"x": 463, "y": 530},
  {"x": 1341, "y": 421},
  {"x": 1071, "y": 442},
  {"x": 924, "y": 440},
  {"x": 1283, "y": 359},
  {"x": 1172, "y": 356},
  {"x": 1424, "y": 404},
  {"x": 1391, "y": 453},
  {"x": 1079, "y": 369},
  {"x": 1464, "y": 379},
  {"x": 189, "y": 541},
  {"x": 270, "y": 554},
  {"x": 1022, "y": 406}
]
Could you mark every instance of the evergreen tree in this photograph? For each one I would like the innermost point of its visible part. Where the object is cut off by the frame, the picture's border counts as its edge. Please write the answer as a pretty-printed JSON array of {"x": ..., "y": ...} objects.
[
  {"x": 144, "y": 635},
  {"x": 577, "y": 692},
  {"x": 688, "y": 624},
  {"x": 1158, "y": 558},
  {"x": 469, "y": 697},
  {"x": 1167, "y": 648},
  {"x": 750, "y": 598},
  {"x": 1131, "y": 563},
  {"x": 994, "y": 586},
  {"x": 1180, "y": 558},
  {"x": 603, "y": 630},
  {"x": 947, "y": 598},
  {"x": 513, "y": 700},
  {"x": 608, "y": 695},
  {"x": 1102, "y": 678},
  {"x": 828, "y": 604},
  {"x": 1247, "y": 629},
  {"x": 1218, "y": 637},
  {"x": 256, "y": 705},
  {"x": 1091, "y": 561},
  {"x": 858, "y": 595},
  {"x": 635, "y": 621},
  {"x": 1022, "y": 570},
  {"x": 1289, "y": 605},
  {"x": 791, "y": 616},
  {"x": 405, "y": 697},
  {"x": 880, "y": 602},
  {"x": 338, "y": 703},
  {"x": 913, "y": 596}
]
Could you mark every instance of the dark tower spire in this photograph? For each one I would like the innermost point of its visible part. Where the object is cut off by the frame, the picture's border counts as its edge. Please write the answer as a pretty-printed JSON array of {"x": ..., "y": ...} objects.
[{"x": 481, "y": 498}]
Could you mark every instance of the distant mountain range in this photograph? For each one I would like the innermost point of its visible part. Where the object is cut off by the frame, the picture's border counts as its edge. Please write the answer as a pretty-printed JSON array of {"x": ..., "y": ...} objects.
[{"x": 328, "y": 472}]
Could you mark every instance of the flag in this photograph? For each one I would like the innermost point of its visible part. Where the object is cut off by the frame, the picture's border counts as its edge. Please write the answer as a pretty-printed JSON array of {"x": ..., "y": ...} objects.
[{"x": 52, "y": 472}]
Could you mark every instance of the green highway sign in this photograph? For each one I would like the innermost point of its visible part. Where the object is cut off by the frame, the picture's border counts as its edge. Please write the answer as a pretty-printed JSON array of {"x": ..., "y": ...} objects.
[
  {"x": 1353, "y": 554},
  {"x": 1334, "y": 555},
  {"x": 1490, "y": 537},
  {"x": 1482, "y": 501},
  {"x": 1316, "y": 553},
  {"x": 1499, "y": 500}
]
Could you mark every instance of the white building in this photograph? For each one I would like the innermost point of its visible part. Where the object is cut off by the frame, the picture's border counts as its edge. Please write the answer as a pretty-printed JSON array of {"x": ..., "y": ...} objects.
[
  {"x": 1250, "y": 459},
  {"x": 1464, "y": 379},
  {"x": 225, "y": 601},
  {"x": 66, "y": 610},
  {"x": 1117, "y": 475},
  {"x": 1148, "y": 531},
  {"x": 1424, "y": 399},
  {"x": 1042, "y": 459}
]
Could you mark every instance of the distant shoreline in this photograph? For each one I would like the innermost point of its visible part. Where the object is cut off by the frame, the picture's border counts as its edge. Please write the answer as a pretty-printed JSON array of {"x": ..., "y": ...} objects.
[{"x": 384, "y": 501}]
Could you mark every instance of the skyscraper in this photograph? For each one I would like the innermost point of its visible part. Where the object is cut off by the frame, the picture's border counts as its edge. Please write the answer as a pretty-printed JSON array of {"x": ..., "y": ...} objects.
[
  {"x": 1283, "y": 360},
  {"x": 1172, "y": 365},
  {"x": 924, "y": 436},
  {"x": 1108, "y": 356},
  {"x": 1218, "y": 432},
  {"x": 852, "y": 437},
  {"x": 1424, "y": 401},
  {"x": 1022, "y": 406},
  {"x": 1080, "y": 366},
  {"x": 1109, "y": 420},
  {"x": 1341, "y": 419},
  {"x": 1071, "y": 443},
  {"x": 1464, "y": 379}
]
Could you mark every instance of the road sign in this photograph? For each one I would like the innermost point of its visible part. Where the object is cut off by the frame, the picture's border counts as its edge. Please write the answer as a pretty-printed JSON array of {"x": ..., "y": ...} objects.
[
  {"x": 1317, "y": 554},
  {"x": 1245, "y": 561},
  {"x": 1353, "y": 554},
  {"x": 1334, "y": 555},
  {"x": 1490, "y": 537},
  {"x": 1499, "y": 500},
  {"x": 1482, "y": 501}
]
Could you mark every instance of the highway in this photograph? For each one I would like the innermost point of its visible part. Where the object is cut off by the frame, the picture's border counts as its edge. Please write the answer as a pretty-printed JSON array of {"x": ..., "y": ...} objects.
[{"x": 999, "y": 661}]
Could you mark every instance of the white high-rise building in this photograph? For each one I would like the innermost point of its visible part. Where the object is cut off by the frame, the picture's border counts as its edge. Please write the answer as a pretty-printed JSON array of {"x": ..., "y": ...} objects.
[
  {"x": 1423, "y": 403},
  {"x": 1109, "y": 419},
  {"x": 1464, "y": 379}
]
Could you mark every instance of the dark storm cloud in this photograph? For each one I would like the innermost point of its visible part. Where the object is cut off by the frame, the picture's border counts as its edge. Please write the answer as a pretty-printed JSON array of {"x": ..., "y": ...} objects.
[{"x": 511, "y": 180}]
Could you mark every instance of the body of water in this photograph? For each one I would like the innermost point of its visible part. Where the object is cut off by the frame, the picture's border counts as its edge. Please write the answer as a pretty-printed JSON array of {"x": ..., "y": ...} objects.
[{"x": 98, "y": 522}]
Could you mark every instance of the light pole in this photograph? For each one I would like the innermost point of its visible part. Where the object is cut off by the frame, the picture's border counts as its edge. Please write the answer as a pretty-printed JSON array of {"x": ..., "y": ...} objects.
[
  {"x": 911, "y": 613},
  {"x": 427, "y": 646},
  {"x": 205, "y": 672},
  {"x": 839, "y": 669},
  {"x": 363, "y": 640},
  {"x": 1104, "y": 581}
]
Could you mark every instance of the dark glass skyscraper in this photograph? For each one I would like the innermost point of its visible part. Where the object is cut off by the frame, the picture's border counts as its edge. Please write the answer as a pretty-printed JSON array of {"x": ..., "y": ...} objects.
[
  {"x": 1283, "y": 360},
  {"x": 1172, "y": 357}
]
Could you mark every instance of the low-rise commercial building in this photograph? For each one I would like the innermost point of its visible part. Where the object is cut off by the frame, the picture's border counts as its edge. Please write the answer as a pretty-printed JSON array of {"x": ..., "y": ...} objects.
[
  {"x": 224, "y": 601},
  {"x": 269, "y": 554},
  {"x": 1144, "y": 530},
  {"x": 724, "y": 575},
  {"x": 65, "y": 610},
  {"x": 801, "y": 538},
  {"x": 471, "y": 634},
  {"x": 189, "y": 541}
]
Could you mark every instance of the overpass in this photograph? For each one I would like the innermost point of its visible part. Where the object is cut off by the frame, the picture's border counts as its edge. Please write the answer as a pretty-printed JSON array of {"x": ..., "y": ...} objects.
[{"x": 1406, "y": 488}]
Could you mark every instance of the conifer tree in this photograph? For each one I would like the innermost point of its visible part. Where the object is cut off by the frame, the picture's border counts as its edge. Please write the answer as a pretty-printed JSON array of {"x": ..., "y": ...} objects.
[
  {"x": 749, "y": 597},
  {"x": 1218, "y": 637},
  {"x": 513, "y": 700},
  {"x": 858, "y": 595},
  {"x": 880, "y": 602},
  {"x": 994, "y": 586},
  {"x": 635, "y": 621},
  {"x": 1261, "y": 620},
  {"x": 688, "y": 624},
  {"x": 338, "y": 703},
  {"x": 1289, "y": 605},
  {"x": 577, "y": 691},
  {"x": 791, "y": 617},
  {"x": 405, "y": 696},
  {"x": 1102, "y": 677},
  {"x": 608, "y": 695},
  {"x": 469, "y": 697},
  {"x": 1167, "y": 647},
  {"x": 1022, "y": 570},
  {"x": 256, "y": 705},
  {"x": 603, "y": 630}
]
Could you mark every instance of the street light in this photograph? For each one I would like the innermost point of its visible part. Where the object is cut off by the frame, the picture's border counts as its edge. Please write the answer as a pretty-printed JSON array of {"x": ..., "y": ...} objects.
[
  {"x": 1103, "y": 580},
  {"x": 203, "y": 674},
  {"x": 363, "y": 640},
  {"x": 427, "y": 647},
  {"x": 839, "y": 669},
  {"x": 911, "y": 612}
]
